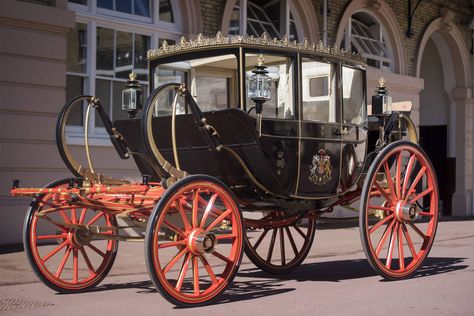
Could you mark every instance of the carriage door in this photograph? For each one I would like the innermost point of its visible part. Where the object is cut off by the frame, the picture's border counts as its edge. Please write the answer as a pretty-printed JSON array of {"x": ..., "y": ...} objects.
[{"x": 320, "y": 135}]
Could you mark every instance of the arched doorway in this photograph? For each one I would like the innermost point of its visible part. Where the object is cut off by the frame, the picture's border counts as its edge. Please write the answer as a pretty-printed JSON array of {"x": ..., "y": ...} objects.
[{"x": 443, "y": 63}]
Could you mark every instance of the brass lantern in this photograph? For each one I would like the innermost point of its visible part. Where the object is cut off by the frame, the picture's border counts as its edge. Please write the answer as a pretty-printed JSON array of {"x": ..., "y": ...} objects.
[
  {"x": 132, "y": 96},
  {"x": 381, "y": 101},
  {"x": 260, "y": 91}
]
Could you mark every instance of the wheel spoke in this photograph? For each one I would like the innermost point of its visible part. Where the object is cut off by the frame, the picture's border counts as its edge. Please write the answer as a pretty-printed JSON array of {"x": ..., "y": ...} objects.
[
  {"x": 425, "y": 214},
  {"x": 172, "y": 244},
  {"x": 208, "y": 268},
  {"x": 175, "y": 228},
  {"x": 209, "y": 206},
  {"x": 388, "y": 176},
  {"x": 55, "y": 251},
  {"x": 63, "y": 262},
  {"x": 272, "y": 245},
  {"x": 63, "y": 236},
  {"x": 95, "y": 218},
  {"x": 300, "y": 231},
  {"x": 64, "y": 216},
  {"x": 380, "y": 223},
  {"x": 384, "y": 238},
  {"x": 75, "y": 267},
  {"x": 87, "y": 260},
  {"x": 195, "y": 209},
  {"x": 218, "y": 220},
  {"x": 391, "y": 246},
  {"x": 173, "y": 261},
  {"x": 417, "y": 179},
  {"x": 82, "y": 216},
  {"x": 282, "y": 246},
  {"x": 196, "y": 275},
  {"x": 409, "y": 242},
  {"x": 401, "y": 257},
  {"x": 384, "y": 193},
  {"x": 182, "y": 273},
  {"x": 292, "y": 241},
  {"x": 222, "y": 257},
  {"x": 73, "y": 216},
  {"x": 418, "y": 231},
  {"x": 99, "y": 252},
  {"x": 260, "y": 239},
  {"x": 186, "y": 224},
  {"x": 398, "y": 175},
  {"x": 226, "y": 236},
  {"x": 410, "y": 165},
  {"x": 422, "y": 194}
]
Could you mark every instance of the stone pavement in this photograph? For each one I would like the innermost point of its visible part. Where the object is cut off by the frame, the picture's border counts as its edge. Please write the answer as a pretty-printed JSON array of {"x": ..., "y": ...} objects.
[{"x": 335, "y": 279}]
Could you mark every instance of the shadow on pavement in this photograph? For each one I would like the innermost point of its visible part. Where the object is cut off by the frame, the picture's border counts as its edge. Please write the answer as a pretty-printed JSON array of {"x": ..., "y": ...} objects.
[{"x": 266, "y": 284}]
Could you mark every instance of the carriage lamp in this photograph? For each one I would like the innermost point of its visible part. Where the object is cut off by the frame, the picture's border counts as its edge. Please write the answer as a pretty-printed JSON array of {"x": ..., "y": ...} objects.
[
  {"x": 381, "y": 101},
  {"x": 259, "y": 89},
  {"x": 132, "y": 96}
]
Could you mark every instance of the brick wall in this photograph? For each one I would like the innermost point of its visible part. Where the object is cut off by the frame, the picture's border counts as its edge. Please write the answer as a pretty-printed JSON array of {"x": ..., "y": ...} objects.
[{"x": 428, "y": 11}]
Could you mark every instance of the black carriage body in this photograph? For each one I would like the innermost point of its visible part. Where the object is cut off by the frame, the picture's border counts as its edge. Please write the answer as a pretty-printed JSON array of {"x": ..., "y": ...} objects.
[{"x": 293, "y": 158}]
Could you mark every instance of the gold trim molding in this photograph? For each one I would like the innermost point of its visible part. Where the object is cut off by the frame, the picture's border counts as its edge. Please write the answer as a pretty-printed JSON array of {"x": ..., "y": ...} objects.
[{"x": 264, "y": 41}]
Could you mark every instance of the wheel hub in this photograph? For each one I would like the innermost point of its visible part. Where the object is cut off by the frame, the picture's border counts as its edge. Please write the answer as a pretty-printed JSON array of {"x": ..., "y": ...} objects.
[
  {"x": 81, "y": 237},
  {"x": 201, "y": 242},
  {"x": 406, "y": 211}
]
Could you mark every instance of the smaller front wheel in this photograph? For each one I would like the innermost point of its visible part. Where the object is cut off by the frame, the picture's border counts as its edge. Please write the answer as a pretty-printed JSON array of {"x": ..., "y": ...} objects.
[
  {"x": 399, "y": 210},
  {"x": 194, "y": 241}
]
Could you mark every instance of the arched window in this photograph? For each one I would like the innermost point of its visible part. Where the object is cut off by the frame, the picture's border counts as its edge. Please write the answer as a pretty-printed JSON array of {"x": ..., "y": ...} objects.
[
  {"x": 365, "y": 35},
  {"x": 263, "y": 16}
]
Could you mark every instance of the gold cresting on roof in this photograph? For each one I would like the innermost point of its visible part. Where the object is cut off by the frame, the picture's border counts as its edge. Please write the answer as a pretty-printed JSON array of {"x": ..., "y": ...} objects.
[{"x": 263, "y": 41}]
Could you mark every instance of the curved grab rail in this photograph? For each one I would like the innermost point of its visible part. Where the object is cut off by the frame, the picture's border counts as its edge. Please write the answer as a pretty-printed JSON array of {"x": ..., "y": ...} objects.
[{"x": 71, "y": 163}]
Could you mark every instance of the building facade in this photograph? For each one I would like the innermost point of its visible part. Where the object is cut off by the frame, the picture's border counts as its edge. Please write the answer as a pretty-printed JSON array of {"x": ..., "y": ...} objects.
[{"x": 54, "y": 50}]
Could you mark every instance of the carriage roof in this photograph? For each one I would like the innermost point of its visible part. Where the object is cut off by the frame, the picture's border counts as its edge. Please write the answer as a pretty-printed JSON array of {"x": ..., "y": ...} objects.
[{"x": 263, "y": 42}]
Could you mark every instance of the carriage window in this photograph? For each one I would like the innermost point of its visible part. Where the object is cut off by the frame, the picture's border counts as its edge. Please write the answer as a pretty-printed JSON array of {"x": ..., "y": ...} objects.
[
  {"x": 353, "y": 96},
  {"x": 280, "y": 70},
  {"x": 211, "y": 80},
  {"x": 318, "y": 95}
]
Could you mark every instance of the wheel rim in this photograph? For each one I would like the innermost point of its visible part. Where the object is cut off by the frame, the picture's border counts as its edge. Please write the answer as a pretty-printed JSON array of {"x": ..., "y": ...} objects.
[
  {"x": 197, "y": 242},
  {"x": 401, "y": 211},
  {"x": 70, "y": 258},
  {"x": 277, "y": 243}
]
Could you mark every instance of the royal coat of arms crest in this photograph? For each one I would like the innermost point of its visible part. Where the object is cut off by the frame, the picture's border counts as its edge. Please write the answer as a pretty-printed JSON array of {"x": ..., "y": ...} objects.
[{"x": 320, "y": 170}]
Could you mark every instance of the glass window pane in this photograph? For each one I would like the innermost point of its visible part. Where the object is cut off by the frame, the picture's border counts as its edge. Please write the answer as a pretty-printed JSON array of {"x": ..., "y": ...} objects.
[
  {"x": 142, "y": 44},
  {"x": 74, "y": 88},
  {"x": 212, "y": 93},
  {"x": 141, "y": 7},
  {"x": 105, "y": 52},
  {"x": 106, "y": 4},
  {"x": 318, "y": 96},
  {"x": 281, "y": 103},
  {"x": 77, "y": 49},
  {"x": 234, "y": 27},
  {"x": 166, "y": 12},
  {"x": 102, "y": 91},
  {"x": 318, "y": 86},
  {"x": 124, "y": 55},
  {"x": 353, "y": 96},
  {"x": 123, "y": 6}
]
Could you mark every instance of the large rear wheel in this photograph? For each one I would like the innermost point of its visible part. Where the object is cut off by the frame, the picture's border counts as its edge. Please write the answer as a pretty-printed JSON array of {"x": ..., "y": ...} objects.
[
  {"x": 194, "y": 241},
  {"x": 399, "y": 210}
]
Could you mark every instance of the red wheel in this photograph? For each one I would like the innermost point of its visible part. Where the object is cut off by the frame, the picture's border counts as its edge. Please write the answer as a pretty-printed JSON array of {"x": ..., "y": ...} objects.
[
  {"x": 399, "y": 210},
  {"x": 276, "y": 242},
  {"x": 194, "y": 241},
  {"x": 67, "y": 259}
]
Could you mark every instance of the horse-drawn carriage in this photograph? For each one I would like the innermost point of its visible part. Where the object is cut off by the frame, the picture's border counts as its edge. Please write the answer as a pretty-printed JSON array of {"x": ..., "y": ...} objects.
[{"x": 243, "y": 143}]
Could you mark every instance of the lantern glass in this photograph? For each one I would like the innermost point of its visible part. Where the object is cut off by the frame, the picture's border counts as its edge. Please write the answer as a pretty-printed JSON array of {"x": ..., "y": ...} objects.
[
  {"x": 129, "y": 99},
  {"x": 260, "y": 87}
]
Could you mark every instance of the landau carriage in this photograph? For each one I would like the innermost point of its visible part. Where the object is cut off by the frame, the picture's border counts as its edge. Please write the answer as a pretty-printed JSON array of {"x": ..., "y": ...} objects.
[{"x": 243, "y": 143}]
